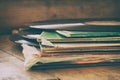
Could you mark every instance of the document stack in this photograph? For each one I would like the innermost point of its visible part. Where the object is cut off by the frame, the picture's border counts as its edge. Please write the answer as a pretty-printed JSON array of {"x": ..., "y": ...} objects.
[{"x": 70, "y": 43}]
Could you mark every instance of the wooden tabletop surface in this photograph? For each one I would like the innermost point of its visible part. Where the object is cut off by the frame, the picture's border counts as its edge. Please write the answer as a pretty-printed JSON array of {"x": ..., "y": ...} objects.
[{"x": 12, "y": 61}]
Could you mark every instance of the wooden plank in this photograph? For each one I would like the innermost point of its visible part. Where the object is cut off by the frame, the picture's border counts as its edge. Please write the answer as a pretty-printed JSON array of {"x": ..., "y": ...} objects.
[
  {"x": 10, "y": 47},
  {"x": 15, "y": 13},
  {"x": 12, "y": 68},
  {"x": 91, "y": 73}
]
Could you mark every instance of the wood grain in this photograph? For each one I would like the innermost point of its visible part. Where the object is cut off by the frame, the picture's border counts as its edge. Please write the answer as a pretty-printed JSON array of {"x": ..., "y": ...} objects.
[
  {"x": 11, "y": 68},
  {"x": 14, "y": 13}
]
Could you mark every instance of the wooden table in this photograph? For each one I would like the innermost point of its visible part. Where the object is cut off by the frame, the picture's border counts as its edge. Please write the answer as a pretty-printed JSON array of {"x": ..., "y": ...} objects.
[{"x": 12, "y": 61}]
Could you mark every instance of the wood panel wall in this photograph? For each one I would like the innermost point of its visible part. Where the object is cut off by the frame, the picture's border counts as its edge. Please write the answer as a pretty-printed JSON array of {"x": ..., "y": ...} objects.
[{"x": 14, "y": 13}]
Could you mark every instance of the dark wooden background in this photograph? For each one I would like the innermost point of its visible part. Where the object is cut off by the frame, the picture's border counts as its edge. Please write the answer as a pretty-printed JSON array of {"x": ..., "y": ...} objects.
[{"x": 14, "y": 13}]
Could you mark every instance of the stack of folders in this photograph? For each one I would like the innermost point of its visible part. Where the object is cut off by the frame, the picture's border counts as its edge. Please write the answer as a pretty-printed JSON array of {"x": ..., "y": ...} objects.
[{"x": 72, "y": 44}]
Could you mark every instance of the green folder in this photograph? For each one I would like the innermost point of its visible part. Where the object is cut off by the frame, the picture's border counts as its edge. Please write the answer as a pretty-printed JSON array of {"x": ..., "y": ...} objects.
[
  {"x": 86, "y": 34},
  {"x": 53, "y": 36}
]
